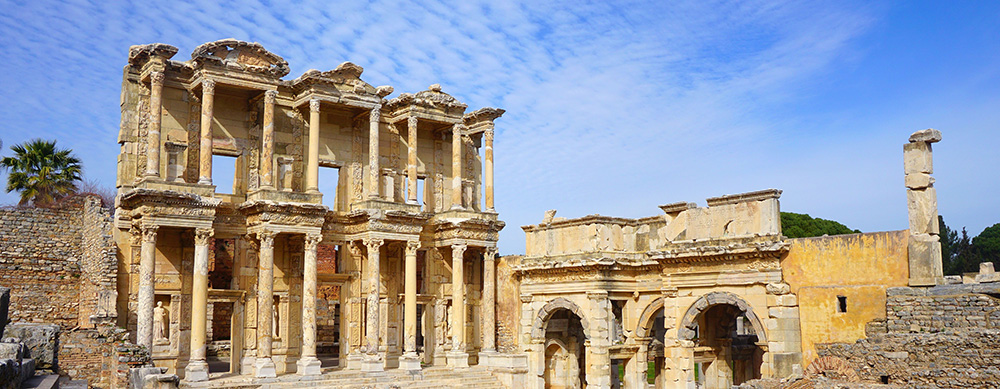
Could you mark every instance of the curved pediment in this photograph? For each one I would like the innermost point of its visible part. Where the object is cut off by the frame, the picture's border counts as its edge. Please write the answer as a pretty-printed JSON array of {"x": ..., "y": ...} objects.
[
  {"x": 346, "y": 75},
  {"x": 247, "y": 56},
  {"x": 432, "y": 98}
]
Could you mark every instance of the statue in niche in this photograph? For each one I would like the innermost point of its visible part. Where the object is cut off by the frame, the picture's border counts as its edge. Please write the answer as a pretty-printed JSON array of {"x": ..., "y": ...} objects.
[
  {"x": 160, "y": 331},
  {"x": 274, "y": 323}
]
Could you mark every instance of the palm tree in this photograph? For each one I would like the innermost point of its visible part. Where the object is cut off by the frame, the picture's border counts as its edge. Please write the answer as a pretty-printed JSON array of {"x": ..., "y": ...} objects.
[{"x": 41, "y": 172}]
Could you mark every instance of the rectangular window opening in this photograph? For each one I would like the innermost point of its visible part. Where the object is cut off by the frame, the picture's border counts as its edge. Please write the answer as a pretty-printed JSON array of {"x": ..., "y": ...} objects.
[
  {"x": 841, "y": 304},
  {"x": 224, "y": 173},
  {"x": 420, "y": 193},
  {"x": 329, "y": 181},
  {"x": 885, "y": 379}
]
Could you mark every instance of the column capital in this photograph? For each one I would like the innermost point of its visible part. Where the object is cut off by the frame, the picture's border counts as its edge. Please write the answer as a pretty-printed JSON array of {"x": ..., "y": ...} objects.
[
  {"x": 314, "y": 105},
  {"x": 156, "y": 78},
  {"x": 373, "y": 243},
  {"x": 376, "y": 113},
  {"x": 411, "y": 122},
  {"x": 207, "y": 87},
  {"x": 270, "y": 95},
  {"x": 597, "y": 294},
  {"x": 488, "y": 137},
  {"x": 459, "y": 248},
  {"x": 354, "y": 248},
  {"x": 457, "y": 128},
  {"x": 312, "y": 240},
  {"x": 266, "y": 238},
  {"x": 412, "y": 246},
  {"x": 149, "y": 233},
  {"x": 490, "y": 253},
  {"x": 203, "y": 235}
]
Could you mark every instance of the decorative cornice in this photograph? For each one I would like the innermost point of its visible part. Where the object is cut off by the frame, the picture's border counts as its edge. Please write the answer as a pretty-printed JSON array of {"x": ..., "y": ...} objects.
[
  {"x": 245, "y": 56},
  {"x": 759, "y": 195}
]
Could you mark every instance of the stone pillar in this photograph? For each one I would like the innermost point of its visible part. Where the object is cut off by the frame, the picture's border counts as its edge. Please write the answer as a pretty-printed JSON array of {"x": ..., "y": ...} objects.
[
  {"x": 264, "y": 365},
  {"x": 924, "y": 247},
  {"x": 457, "y": 357},
  {"x": 147, "y": 267},
  {"x": 489, "y": 305},
  {"x": 312, "y": 162},
  {"x": 411, "y": 164},
  {"x": 410, "y": 361},
  {"x": 598, "y": 352},
  {"x": 267, "y": 141},
  {"x": 197, "y": 368},
  {"x": 355, "y": 328},
  {"x": 153, "y": 136},
  {"x": 308, "y": 364},
  {"x": 373, "y": 153},
  {"x": 205, "y": 152},
  {"x": 372, "y": 360},
  {"x": 488, "y": 168},
  {"x": 456, "y": 167}
]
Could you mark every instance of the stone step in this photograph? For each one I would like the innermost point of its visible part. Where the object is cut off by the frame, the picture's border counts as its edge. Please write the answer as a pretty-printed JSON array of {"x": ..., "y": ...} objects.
[{"x": 46, "y": 381}]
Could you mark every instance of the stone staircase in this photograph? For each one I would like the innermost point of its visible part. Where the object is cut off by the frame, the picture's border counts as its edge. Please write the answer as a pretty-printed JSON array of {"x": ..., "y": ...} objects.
[{"x": 431, "y": 377}]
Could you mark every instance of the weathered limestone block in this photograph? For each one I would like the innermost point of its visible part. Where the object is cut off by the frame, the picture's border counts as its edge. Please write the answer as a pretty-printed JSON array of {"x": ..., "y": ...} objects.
[
  {"x": 917, "y": 158},
  {"x": 987, "y": 273},
  {"x": 41, "y": 341},
  {"x": 929, "y": 135},
  {"x": 924, "y": 253},
  {"x": 922, "y": 205},
  {"x": 919, "y": 180}
]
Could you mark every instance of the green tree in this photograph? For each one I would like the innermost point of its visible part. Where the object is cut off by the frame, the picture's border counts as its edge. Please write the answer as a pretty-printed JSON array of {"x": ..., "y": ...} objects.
[
  {"x": 986, "y": 246},
  {"x": 42, "y": 173},
  {"x": 799, "y": 225}
]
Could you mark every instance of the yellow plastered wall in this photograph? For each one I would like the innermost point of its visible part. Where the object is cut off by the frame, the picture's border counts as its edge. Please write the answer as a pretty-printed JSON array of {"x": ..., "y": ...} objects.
[{"x": 858, "y": 267}]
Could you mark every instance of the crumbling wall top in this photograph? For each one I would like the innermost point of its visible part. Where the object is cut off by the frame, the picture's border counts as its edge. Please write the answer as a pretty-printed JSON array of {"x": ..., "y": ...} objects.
[{"x": 140, "y": 54}]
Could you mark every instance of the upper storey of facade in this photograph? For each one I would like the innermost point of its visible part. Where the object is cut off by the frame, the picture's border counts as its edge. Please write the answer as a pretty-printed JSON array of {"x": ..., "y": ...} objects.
[{"x": 325, "y": 138}]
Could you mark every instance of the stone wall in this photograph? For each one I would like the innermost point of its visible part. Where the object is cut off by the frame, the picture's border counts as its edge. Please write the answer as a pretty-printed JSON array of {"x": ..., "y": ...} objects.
[{"x": 945, "y": 336}]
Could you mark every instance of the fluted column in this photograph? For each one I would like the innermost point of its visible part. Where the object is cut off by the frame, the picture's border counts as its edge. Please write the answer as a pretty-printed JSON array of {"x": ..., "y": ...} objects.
[
  {"x": 457, "y": 357},
  {"x": 489, "y": 301},
  {"x": 411, "y": 165},
  {"x": 456, "y": 167},
  {"x": 372, "y": 360},
  {"x": 410, "y": 360},
  {"x": 312, "y": 163},
  {"x": 265, "y": 305},
  {"x": 153, "y": 135},
  {"x": 267, "y": 141},
  {"x": 373, "y": 169},
  {"x": 488, "y": 171},
  {"x": 197, "y": 368},
  {"x": 308, "y": 364},
  {"x": 147, "y": 267},
  {"x": 205, "y": 151}
]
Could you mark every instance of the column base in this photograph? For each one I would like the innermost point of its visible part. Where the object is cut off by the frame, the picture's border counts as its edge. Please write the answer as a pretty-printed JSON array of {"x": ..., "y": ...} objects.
[
  {"x": 458, "y": 359},
  {"x": 264, "y": 368},
  {"x": 354, "y": 361},
  {"x": 309, "y": 366},
  {"x": 196, "y": 371},
  {"x": 372, "y": 364},
  {"x": 410, "y": 362},
  {"x": 488, "y": 358}
]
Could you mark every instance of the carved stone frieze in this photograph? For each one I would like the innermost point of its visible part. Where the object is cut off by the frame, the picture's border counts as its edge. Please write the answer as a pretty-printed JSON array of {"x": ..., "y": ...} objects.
[{"x": 292, "y": 214}]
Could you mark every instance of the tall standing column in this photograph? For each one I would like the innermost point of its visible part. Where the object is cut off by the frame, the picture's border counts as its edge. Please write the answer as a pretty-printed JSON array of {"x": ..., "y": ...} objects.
[
  {"x": 205, "y": 155},
  {"x": 456, "y": 167},
  {"x": 153, "y": 136},
  {"x": 355, "y": 328},
  {"x": 457, "y": 357},
  {"x": 267, "y": 140},
  {"x": 488, "y": 171},
  {"x": 372, "y": 360},
  {"x": 197, "y": 368},
  {"x": 312, "y": 162},
  {"x": 147, "y": 267},
  {"x": 489, "y": 304},
  {"x": 308, "y": 364},
  {"x": 410, "y": 360},
  {"x": 411, "y": 165},
  {"x": 373, "y": 169},
  {"x": 265, "y": 305}
]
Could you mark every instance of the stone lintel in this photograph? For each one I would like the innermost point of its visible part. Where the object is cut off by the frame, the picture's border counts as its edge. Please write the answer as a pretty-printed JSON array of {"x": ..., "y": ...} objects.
[
  {"x": 759, "y": 195},
  {"x": 677, "y": 207}
]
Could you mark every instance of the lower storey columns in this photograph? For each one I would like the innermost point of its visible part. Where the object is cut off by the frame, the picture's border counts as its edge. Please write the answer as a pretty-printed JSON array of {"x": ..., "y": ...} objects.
[
  {"x": 308, "y": 364},
  {"x": 458, "y": 357},
  {"x": 488, "y": 320},
  {"x": 410, "y": 360},
  {"x": 147, "y": 265},
  {"x": 372, "y": 360},
  {"x": 264, "y": 366},
  {"x": 197, "y": 368}
]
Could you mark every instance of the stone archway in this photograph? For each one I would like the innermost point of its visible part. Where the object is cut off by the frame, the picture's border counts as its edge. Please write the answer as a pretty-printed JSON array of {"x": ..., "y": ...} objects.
[
  {"x": 689, "y": 321},
  {"x": 538, "y": 326},
  {"x": 723, "y": 336},
  {"x": 650, "y": 335},
  {"x": 562, "y": 335}
]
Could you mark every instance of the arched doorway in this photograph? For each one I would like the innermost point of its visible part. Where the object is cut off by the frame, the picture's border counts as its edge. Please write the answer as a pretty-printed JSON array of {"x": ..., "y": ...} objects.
[
  {"x": 650, "y": 358},
  {"x": 725, "y": 334},
  {"x": 565, "y": 352}
]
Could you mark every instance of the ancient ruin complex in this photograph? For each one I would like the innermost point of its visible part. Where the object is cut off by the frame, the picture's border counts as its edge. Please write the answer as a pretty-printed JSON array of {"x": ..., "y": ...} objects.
[{"x": 356, "y": 246}]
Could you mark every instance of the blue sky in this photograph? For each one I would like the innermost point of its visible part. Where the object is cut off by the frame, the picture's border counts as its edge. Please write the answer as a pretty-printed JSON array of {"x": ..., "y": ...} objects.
[{"x": 612, "y": 107}]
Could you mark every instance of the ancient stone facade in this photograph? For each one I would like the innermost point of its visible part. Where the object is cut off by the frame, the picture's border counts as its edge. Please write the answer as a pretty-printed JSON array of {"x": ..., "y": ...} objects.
[{"x": 408, "y": 226}]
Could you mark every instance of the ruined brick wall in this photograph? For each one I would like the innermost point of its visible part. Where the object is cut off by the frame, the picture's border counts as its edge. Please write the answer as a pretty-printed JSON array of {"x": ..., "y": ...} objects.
[
  {"x": 946, "y": 336},
  {"x": 98, "y": 264}
]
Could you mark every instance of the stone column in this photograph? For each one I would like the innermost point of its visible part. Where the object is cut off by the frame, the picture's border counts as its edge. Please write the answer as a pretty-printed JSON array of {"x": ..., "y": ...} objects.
[
  {"x": 373, "y": 169},
  {"x": 598, "y": 352},
  {"x": 147, "y": 267},
  {"x": 488, "y": 170},
  {"x": 264, "y": 365},
  {"x": 924, "y": 246},
  {"x": 355, "y": 328},
  {"x": 489, "y": 305},
  {"x": 411, "y": 165},
  {"x": 205, "y": 151},
  {"x": 308, "y": 364},
  {"x": 312, "y": 162},
  {"x": 153, "y": 136},
  {"x": 456, "y": 167},
  {"x": 267, "y": 140},
  {"x": 410, "y": 361},
  {"x": 372, "y": 360},
  {"x": 197, "y": 368},
  {"x": 457, "y": 357}
]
